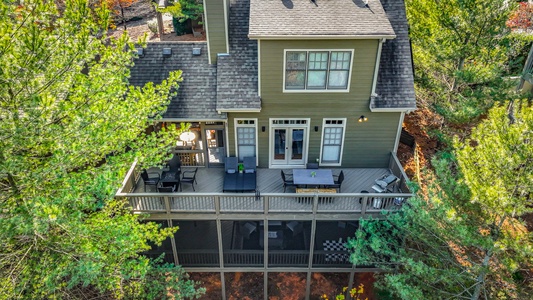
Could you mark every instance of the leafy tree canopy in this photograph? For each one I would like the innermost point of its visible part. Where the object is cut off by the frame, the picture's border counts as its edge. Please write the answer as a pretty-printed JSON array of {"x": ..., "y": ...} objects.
[
  {"x": 467, "y": 238},
  {"x": 67, "y": 117},
  {"x": 459, "y": 51}
]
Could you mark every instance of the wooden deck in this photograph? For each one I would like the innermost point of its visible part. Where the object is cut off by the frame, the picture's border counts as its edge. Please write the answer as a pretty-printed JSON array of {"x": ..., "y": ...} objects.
[{"x": 210, "y": 180}]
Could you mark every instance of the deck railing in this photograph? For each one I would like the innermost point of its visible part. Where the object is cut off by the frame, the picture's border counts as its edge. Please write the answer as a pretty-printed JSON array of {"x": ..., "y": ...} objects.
[
  {"x": 191, "y": 158},
  {"x": 397, "y": 169},
  {"x": 255, "y": 258},
  {"x": 265, "y": 203}
]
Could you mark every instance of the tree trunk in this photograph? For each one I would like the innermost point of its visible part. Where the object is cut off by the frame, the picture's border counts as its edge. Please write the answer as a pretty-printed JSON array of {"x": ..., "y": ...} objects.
[
  {"x": 123, "y": 18},
  {"x": 481, "y": 277}
]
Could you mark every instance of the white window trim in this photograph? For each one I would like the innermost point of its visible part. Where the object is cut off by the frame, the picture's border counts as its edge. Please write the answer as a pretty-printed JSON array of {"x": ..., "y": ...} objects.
[
  {"x": 236, "y": 125},
  {"x": 347, "y": 90},
  {"x": 324, "y": 125}
]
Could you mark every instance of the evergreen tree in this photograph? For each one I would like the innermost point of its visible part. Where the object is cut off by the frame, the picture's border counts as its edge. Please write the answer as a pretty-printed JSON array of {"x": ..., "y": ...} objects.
[
  {"x": 466, "y": 239},
  {"x": 459, "y": 51},
  {"x": 67, "y": 117}
]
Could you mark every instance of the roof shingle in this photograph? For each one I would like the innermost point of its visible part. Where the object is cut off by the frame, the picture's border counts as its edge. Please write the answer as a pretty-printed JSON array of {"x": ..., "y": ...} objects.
[
  {"x": 196, "y": 97},
  {"x": 237, "y": 71},
  {"x": 395, "y": 85},
  {"x": 290, "y": 18}
]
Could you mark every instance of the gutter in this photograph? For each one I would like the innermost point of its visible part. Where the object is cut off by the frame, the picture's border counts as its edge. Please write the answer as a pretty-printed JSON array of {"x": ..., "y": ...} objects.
[{"x": 320, "y": 37}]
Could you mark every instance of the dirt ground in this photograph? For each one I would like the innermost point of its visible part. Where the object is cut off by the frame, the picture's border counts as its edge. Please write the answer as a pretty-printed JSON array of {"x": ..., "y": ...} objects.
[
  {"x": 282, "y": 286},
  {"x": 138, "y": 15}
]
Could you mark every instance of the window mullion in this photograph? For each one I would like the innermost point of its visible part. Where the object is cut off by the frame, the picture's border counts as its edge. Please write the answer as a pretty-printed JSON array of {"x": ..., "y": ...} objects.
[
  {"x": 327, "y": 70},
  {"x": 306, "y": 68}
]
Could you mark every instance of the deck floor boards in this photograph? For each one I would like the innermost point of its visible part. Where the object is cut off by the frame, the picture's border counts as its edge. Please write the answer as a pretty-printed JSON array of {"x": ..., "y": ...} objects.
[{"x": 211, "y": 180}]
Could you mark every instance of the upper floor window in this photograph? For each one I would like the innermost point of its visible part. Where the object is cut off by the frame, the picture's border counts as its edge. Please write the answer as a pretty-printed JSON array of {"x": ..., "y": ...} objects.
[{"x": 317, "y": 70}]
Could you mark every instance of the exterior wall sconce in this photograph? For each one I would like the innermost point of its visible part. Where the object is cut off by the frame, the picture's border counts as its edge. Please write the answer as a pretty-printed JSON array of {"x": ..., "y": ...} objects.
[
  {"x": 316, "y": 128},
  {"x": 263, "y": 128},
  {"x": 362, "y": 119}
]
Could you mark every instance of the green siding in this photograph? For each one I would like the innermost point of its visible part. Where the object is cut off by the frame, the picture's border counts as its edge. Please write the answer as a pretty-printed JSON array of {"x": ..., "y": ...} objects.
[
  {"x": 366, "y": 144},
  {"x": 215, "y": 27}
]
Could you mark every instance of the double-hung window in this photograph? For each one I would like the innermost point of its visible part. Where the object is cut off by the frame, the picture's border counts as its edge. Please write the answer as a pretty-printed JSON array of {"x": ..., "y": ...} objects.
[
  {"x": 246, "y": 133},
  {"x": 317, "y": 70},
  {"x": 332, "y": 141}
]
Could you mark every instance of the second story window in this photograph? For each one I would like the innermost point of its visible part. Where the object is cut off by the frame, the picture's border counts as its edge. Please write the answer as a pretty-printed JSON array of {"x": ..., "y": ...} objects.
[{"x": 317, "y": 70}]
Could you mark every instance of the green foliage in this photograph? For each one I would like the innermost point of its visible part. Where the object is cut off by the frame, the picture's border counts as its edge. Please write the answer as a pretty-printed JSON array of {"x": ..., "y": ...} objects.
[
  {"x": 184, "y": 10},
  {"x": 460, "y": 54},
  {"x": 465, "y": 239},
  {"x": 518, "y": 45},
  {"x": 176, "y": 281},
  {"x": 67, "y": 116}
]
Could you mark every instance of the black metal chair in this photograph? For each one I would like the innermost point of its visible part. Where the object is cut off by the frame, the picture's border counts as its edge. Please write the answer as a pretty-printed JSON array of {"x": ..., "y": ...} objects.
[
  {"x": 188, "y": 177},
  {"x": 337, "y": 183},
  {"x": 150, "y": 178},
  {"x": 174, "y": 164},
  {"x": 167, "y": 189},
  {"x": 286, "y": 182}
]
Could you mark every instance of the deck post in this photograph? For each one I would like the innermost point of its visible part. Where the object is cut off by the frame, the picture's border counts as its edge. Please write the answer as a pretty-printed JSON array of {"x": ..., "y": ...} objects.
[
  {"x": 311, "y": 248},
  {"x": 173, "y": 244},
  {"x": 265, "y": 285},
  {"x": 363, "y": 205},
  {"x": 350, "y": 281},
  {"x": 167, "y": 205},
  {"x": 223, "y": 285}
]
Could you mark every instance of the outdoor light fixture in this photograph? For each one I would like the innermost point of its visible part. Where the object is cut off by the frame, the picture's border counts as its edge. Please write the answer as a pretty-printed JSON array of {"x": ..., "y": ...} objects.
[
  {"x": 187, "y": 136},
  {"x": 316, "y": 128},
  {"x": 263, "y": 128},
  {"x": 363, "y": 119}
]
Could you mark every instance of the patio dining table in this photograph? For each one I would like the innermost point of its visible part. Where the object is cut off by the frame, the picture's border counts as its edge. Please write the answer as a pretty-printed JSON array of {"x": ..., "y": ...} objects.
[
  {"x": 313, "y": 177},
  {"x": 170, "y": 178}
]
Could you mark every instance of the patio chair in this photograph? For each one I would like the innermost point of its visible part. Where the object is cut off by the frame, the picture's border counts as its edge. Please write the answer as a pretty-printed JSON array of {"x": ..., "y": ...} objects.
[
  {"x": 286, "y": 182},
  {"x": 150, "y": 178},
  {"x": 337, "y": 183},
  {"x": 249, "y": 164},
  {"x": 174, "y": 164},
  {"x": 189, "y": 177},
  {"x": 166, "y": 189},
  {"x": 231, "y": 165}
]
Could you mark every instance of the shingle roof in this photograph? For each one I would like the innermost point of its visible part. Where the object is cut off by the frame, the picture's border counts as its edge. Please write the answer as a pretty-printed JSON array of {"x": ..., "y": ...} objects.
[
  {"x": 196, "y": 97},
  {"x": 395, "y": 86},
  {"x": 271, "y": 18},
  {"x": 237, "y": 72}
]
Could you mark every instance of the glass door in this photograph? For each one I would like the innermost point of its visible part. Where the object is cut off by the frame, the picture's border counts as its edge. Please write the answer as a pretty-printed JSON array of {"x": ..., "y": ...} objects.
[
  {"x": 289, "y": 146},
  {"x": 280, "y": 148},
  {"x": 297, "y": 142},
  {"x": 216, "y": 150}
]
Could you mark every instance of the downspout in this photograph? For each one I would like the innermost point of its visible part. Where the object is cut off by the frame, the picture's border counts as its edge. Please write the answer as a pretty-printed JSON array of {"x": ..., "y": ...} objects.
[{"x": 398, "y": 133}]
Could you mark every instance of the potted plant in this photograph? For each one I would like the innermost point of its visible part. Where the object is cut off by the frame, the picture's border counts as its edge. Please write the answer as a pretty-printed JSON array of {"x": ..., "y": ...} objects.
[{"x": 241, "y": 168}]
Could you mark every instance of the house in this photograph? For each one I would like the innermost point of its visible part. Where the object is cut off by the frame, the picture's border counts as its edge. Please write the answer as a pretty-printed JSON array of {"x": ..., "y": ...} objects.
[{"x": 289, "y": 82}]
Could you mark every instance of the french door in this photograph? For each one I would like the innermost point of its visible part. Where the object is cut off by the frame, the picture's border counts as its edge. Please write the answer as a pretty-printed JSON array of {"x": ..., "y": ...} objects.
[{"x": 289, "y": 145}]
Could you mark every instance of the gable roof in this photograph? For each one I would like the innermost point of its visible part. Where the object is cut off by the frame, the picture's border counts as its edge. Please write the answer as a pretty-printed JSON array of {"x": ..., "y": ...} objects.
[
  {"x": 395, "y": 85},
  {"x": 318, "y": 18},
  {"x": 232, "y": 84},
  {"x": 196, "y": 96}
]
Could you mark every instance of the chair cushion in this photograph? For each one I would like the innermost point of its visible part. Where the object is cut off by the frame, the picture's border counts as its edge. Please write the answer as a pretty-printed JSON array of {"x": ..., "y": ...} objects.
[
  {"x": 231, "y": 171},
  {"x": 249, "y": 171}
]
